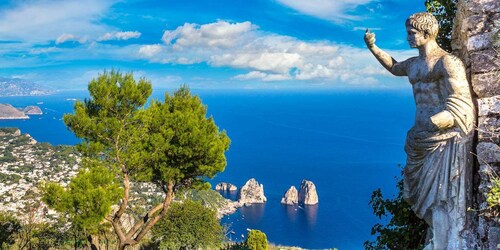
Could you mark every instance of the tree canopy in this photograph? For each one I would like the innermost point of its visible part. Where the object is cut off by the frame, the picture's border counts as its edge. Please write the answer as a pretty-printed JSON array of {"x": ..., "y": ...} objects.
[
  {"x": 444, "y": 11},
  {"x": 9, "y": 227},
  {"x": 256, "y": 240},
  {"x": 88, "y": 198},
  {"x": 189, "y": 225}
]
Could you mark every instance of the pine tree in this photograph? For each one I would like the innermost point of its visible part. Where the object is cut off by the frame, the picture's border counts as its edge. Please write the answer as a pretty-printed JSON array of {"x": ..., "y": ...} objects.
[{"x": 172, "y": 144}]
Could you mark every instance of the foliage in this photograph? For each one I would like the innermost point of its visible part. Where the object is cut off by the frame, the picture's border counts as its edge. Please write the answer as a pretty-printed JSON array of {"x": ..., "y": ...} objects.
[
  {"x": 65, "y": 153},
  {"x": 172, "y": 143},
  {"x": 189, "y": 225},
  {"x": 209, "y": 198},
  {"x": 6, "y": 178},
  {"x": 183, "y": 144},
  {"x": 256, "y": 240},
  {"x": 8, "y": 157},
  {"x": 9, "y": 227},
  {"x": 42, "y": 236},
  {"x": 404, "y": 230},
  {"x": 236, "y": 246},
  {"x": 444, "y": 11},
  {"x": 493, "y": 196},
  {"x": 88, "y": 197},
  {"x": 8, "y": 130}
]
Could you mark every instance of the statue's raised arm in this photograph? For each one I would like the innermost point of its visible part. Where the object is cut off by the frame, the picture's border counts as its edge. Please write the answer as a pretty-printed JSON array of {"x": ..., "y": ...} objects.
[{"x": 384, "y": 58}]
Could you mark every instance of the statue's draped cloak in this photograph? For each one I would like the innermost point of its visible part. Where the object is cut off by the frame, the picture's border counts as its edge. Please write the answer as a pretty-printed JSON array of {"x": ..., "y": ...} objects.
[{"x": 438, "y": 170}]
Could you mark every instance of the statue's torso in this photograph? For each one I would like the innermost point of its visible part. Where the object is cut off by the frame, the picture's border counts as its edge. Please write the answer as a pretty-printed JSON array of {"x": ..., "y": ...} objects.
[{"x": 429, "y": 90}]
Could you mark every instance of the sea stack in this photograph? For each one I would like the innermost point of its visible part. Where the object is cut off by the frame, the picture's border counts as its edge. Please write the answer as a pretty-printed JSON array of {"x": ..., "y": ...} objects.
[
  {"x": 307, "y": 193},
  {"x": 251, "y": 192},
  {"x": 224, "y": 186},
  {"x": 291, "y": 197}
]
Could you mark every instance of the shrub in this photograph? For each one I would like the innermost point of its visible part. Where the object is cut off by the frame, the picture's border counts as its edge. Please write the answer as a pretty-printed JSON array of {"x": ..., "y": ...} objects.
[
  {"x": 189, "y": 225},
  {"x": 9, "y": 227},
  {"x": 257, "y": 240},
  {"x": 404, "y": 230}
]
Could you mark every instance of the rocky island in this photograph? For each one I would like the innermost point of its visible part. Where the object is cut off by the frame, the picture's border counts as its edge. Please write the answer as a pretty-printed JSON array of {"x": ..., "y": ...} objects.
[
  {"x": 32, "y": 110},
  {"x": 291, "y": 196},
  {"x": 252, "y": 192},
  {"x": 8, "y": 111},
  {"x": 224, "y": 186},
  {"x": 306, "y": 195}
]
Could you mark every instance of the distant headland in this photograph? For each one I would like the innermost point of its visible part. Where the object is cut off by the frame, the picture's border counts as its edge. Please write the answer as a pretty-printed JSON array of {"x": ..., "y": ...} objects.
[{"x": 8, "y": 112}]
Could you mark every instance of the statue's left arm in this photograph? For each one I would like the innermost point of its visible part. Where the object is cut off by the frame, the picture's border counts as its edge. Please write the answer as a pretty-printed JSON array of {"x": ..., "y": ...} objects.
[{"x": 459, "y": 109}]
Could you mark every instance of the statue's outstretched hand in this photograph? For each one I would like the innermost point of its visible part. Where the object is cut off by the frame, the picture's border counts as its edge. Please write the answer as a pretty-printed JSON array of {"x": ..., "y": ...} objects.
[{"x": 369, "y": 38}]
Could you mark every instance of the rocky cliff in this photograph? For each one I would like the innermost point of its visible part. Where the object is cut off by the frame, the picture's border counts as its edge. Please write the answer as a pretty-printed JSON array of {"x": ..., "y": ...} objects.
[
  {"x": 307, "y": 193},
  {"x": 251, "y": 192}
]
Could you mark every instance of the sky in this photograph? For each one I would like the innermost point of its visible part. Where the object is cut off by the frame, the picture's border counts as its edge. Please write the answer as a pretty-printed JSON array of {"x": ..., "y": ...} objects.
[{"x": 206, "y": 44}]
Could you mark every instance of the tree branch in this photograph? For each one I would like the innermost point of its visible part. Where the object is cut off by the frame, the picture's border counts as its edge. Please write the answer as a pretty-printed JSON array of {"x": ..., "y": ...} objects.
[{"x": 163, "y": 213}]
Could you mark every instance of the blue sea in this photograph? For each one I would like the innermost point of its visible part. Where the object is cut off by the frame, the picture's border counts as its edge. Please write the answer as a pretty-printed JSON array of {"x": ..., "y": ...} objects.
[{"x": 347, "y": 142}]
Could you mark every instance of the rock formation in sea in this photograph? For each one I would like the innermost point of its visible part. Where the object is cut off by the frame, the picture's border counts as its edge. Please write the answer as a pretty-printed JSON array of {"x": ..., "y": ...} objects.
[
  {"x": 32, "y": 110},
  {"x": 224, "y": 186},
  {"x": 291, "y": 197},
  {"x": 251, "y": 192},
  {"x": 307, "y": 193},
  {"x": 7, "y": 111}
]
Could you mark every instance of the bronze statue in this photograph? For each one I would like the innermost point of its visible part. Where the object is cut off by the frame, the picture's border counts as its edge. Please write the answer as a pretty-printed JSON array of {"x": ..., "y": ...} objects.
[{"x": 437, "y": 175}]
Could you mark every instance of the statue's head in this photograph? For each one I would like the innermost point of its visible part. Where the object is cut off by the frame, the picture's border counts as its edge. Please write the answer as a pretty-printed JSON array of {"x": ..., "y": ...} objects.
[{"x": 421, "y": 27}]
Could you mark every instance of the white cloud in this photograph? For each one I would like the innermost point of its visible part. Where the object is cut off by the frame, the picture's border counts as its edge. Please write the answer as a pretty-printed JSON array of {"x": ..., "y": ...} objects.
[
  {"x": 43, "y": 20},
  {"x": 268, "y": 57},
  {"x": 279, "y": 62},
  {"x": 333, "y": 10},
  {"x": 125, "y": 35},
  {"x": 71, "y": 38},
  {"x": 150, "y": 51},
  {"x": 217, "y": 35},
  {"x": 258, "y": 75},
  {"x": 65, "y": 37}
]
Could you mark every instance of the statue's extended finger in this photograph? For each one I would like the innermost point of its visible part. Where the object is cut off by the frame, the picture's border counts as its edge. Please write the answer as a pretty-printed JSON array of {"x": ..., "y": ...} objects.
[{"x": 367, "y": 31}]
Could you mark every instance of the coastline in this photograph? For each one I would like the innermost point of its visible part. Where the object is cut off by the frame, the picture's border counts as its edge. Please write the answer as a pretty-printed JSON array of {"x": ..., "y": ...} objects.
[{"x": 15, "y": 118}]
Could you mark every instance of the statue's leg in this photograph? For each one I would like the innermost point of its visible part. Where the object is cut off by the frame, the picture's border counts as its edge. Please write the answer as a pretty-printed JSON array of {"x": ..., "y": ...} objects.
[{"x": 440, "y": 227}]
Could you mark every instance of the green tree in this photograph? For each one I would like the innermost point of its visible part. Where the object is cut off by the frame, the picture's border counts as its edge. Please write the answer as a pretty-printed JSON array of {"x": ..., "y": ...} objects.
[
  {"x": 9, "y": 227},
  {"x": 444, "y": 11},
  {"x": 87, "y": 200},
  {"x": 404, "y": 230},
  {"x": 189, "y": 225},
  {"x": 172, "y": 144},
  {"x": 256, "y": 240}
]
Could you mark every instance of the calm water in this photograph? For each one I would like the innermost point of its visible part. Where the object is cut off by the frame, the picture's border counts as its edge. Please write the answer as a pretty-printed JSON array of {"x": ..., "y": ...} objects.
[{"x": 347, "y": 143}]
